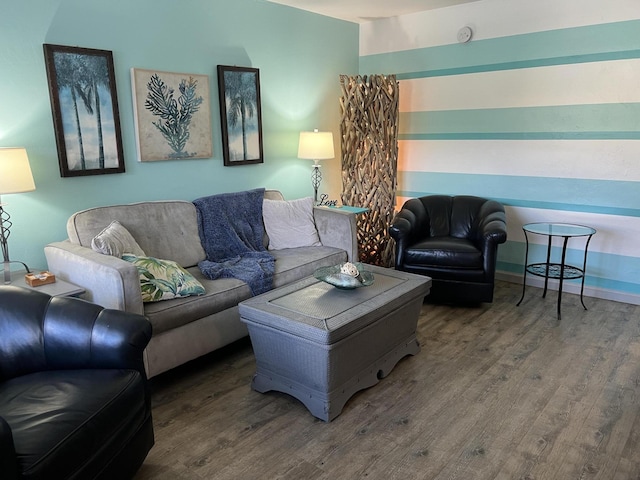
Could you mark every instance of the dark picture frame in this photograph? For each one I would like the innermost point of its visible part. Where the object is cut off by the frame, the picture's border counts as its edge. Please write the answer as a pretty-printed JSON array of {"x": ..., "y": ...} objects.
[
  {"x": 84, "y": 104},
  {"x": 240, "y": 115}
]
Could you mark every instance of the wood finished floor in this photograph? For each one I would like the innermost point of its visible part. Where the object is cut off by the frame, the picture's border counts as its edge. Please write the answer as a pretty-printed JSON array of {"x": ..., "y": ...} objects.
[{"x": 497, "y": 392}]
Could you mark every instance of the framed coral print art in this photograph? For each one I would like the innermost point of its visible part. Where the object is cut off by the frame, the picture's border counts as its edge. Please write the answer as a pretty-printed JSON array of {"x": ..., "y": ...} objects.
[
  {"x": 172, "y": 115},
  {"x": 84, "y": 104},
  {"x": 240, "y": 115}
]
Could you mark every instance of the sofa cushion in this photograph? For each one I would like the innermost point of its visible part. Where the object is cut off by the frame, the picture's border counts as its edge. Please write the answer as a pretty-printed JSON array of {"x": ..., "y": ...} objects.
[
  {"x": 164, "y": 229},
  {"x": 290, "y": 224},
  {"x": 115, "y": 240},
  {"x": 163, "y": 279},
  {"x": 60, "y": 419},
  {"x": 450, "y": 252},
  {"x": 219, "y": 295},
  {"x": 291, "y": 264}
]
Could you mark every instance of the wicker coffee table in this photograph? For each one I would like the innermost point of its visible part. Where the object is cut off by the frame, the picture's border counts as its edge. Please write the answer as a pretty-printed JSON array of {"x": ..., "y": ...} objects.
[{"x": 321, "y": 344}]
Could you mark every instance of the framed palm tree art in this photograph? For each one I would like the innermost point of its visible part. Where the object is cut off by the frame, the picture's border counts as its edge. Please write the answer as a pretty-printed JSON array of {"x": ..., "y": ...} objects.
[
  {"x": 240, "y": 114},
  {"x": 84, "y": 104}
]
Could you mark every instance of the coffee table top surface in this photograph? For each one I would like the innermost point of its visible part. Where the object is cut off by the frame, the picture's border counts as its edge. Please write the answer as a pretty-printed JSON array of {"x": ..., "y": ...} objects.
[{"x": 320, "y": 312}]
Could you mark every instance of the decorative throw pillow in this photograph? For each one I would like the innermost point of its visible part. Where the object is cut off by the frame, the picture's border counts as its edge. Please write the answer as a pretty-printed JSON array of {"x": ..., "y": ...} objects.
[
  {"x": 163, "y": 279},
  {"x": 290, "y": 224},
  {"x": 116, "y": 240}
]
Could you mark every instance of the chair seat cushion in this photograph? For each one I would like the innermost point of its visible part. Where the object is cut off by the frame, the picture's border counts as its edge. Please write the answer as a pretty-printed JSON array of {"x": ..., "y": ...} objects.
[
  {"x": 450, "y": 252},
  {"x": 62, "y": 421}
]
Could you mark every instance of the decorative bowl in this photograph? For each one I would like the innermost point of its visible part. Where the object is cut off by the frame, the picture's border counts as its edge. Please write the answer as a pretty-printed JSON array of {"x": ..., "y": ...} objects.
[{"x": 333, "y": 276}]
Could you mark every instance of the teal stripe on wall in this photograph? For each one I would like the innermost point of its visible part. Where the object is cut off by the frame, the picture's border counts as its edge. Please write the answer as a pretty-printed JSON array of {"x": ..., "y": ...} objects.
[
  {"x": 625, "y": 268},
  {"x": 590, "y": 281},
  {"x": 523, "y": 136},
  {"x": 612, "y": 41},
  {"x": 565, "y": 207},
  {"x": 542, "y": 62},
  {"x": 571, "y": 194},
  {"x": 621, "y": 120}
]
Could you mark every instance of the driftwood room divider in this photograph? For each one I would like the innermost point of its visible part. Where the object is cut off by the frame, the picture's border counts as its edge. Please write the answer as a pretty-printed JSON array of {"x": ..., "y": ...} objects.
[{"x": 369, "y": 133}]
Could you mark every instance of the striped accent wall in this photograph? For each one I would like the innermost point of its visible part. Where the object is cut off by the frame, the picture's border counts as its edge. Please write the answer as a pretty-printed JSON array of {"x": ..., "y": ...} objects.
[{"x": 540, "y": 111}]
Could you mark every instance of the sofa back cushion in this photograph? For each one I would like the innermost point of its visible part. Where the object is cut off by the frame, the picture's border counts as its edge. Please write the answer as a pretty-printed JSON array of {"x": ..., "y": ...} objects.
[{"x": 163, "y": 229}]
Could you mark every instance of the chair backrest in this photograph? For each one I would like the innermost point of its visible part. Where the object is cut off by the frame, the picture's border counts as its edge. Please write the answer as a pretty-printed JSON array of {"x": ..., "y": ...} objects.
[
  {"x": 445, "y": 215},
  {"x": 21, "y": 335},
  {"x": 39, "y": 332}
]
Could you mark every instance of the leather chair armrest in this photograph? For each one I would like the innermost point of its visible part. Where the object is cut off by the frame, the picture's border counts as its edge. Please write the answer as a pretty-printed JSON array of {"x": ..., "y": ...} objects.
[
  {"x": 492, "y": 232},
  {"x": 8, "y": 459},
  {"x": 58, "y": 333},
  {"x": 495, "y": 231},
  {"x": 118, "y": 339},
  {"x": 402, "y": 226},
  {"x": 493, "y": 227},
  {"x": 78, "y": 334},
  {"x": 402, "y": 231}
]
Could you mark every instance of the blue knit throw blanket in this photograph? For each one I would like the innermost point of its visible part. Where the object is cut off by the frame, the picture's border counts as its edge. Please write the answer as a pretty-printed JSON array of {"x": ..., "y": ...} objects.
[{"x": 231, "y": 231}]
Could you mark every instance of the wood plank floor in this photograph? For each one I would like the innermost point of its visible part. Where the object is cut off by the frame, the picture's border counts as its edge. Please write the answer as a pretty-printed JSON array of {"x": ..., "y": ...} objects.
[{"x": 497, "y": 392}]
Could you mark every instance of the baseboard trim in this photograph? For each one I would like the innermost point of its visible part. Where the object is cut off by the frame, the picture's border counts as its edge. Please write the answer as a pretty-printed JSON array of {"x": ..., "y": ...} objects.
[{"x": 571, "y": 287}]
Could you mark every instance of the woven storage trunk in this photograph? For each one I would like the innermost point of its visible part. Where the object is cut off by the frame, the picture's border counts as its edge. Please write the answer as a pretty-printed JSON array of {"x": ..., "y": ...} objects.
[{"x": 321, "y": 344}]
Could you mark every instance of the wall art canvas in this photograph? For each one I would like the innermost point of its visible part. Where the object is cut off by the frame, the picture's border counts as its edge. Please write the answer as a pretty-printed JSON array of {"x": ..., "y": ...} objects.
[
  {"x": 84, "y": 103},
  {"x": 172, "y": 115},
  {"x": 240, "y": 114}
]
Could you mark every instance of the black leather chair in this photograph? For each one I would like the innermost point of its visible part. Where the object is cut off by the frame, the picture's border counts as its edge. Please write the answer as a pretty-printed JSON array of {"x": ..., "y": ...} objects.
[
  {"x": 454, "y": 240},
  {"x": 74, "y": 398}
]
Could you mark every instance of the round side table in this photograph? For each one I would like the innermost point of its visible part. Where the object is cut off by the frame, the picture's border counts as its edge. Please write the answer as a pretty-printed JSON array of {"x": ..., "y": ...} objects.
[{"x": 560, "y": 271}]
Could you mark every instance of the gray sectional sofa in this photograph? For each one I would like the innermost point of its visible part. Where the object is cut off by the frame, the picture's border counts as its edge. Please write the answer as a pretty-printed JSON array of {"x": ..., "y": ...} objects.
[{"x": 183, "y": 328}]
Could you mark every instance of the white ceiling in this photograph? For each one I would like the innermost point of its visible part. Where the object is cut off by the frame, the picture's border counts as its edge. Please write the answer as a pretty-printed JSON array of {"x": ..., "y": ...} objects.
[{"x": 360, "y": 11}]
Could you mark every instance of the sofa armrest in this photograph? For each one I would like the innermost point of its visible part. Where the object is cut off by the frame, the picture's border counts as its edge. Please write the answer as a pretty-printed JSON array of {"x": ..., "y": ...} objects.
[
  {"x": 108, "y": 281},
  {"x": 337, "y": 228}
]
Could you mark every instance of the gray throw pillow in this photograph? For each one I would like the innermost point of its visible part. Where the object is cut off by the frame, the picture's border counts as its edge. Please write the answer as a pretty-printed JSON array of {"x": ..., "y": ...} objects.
[
  {"x": 116, "y": 240},
  {"x": 290, "y": 224}
]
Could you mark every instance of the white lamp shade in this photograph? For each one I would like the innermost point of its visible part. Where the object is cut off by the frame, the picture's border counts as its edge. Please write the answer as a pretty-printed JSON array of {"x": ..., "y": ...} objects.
[
  {"x": 15, "y": 172},
  {"x": 316, "y": 145}
]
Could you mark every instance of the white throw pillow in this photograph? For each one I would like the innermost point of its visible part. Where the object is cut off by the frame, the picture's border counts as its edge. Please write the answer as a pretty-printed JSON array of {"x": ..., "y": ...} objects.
[
  {"x": 116, "y": 240},
  {"x": 290, "y": 224}
]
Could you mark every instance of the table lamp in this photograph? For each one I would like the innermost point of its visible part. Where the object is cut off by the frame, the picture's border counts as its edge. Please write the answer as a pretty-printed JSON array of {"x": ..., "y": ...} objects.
[
  {"x": 316, "y": 146},
  {"x": 15, "y": 177}
]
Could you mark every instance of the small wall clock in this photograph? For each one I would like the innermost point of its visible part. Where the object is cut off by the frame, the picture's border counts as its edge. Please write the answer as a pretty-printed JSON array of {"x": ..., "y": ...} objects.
[{"x": 464, "y": 34}]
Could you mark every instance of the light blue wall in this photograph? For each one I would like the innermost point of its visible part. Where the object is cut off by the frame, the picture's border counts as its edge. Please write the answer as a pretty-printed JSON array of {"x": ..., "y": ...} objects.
[{"x": 300, "y": 56}]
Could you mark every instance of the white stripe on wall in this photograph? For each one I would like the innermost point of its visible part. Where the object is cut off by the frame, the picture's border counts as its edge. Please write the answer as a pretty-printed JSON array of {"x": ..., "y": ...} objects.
[
  {"x": 585, "y": 159},
  {"x": 615, "y": 235},
  {"x": 575, "y": 84}
]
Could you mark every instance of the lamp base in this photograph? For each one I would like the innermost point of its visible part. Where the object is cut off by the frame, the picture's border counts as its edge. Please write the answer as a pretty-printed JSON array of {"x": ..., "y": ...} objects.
[
  {"x": 6, "y": 265},
  {"x": 316, "y": 178},
  {"x": 5, "y": 225}
]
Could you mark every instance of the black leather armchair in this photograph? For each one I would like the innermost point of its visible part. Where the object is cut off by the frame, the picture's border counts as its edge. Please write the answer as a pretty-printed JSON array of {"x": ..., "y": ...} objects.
[
  {"x": 74, "y": 398},
  {"x": 454, "y": 240}
]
